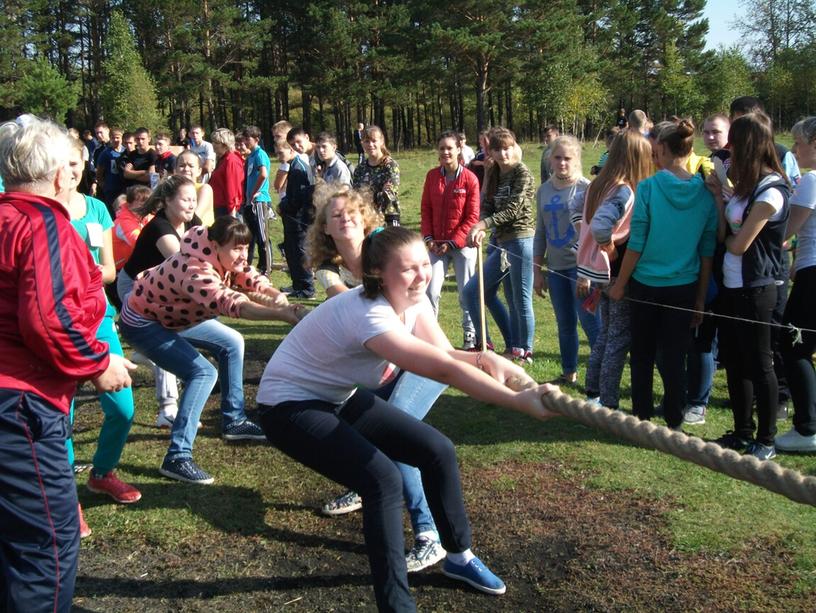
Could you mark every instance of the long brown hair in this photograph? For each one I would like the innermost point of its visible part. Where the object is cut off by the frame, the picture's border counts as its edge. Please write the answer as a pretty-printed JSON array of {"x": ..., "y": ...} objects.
[
  {"x": 752, "y": 152},
  {"x": 629, "y": 162},
  {"x": 165, "y": 190}
]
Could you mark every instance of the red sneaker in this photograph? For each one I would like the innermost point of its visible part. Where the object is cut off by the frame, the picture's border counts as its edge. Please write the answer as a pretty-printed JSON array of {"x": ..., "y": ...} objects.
[
  {"x": 84, "y": 530},
  {"x": 111, "y": 485}
]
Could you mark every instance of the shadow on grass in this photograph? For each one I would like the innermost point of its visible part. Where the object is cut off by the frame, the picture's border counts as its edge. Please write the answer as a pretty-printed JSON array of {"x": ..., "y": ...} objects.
[{"x": 217, "y": 504}]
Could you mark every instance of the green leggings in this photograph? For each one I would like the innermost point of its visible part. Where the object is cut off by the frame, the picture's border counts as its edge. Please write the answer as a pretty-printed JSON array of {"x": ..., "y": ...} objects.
[{"x": 118, "y": 409}]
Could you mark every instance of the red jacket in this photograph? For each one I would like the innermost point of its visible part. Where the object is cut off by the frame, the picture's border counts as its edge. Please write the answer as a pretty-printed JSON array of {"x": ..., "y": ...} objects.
[
  {"x": 449, "y": 211},
  {"x": 51, "y": 301},
  {"x": 227, "y": 182}
]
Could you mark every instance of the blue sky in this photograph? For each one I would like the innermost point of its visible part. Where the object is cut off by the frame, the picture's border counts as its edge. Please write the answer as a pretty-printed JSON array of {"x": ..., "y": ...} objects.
[{"x": 720, "y": 14}]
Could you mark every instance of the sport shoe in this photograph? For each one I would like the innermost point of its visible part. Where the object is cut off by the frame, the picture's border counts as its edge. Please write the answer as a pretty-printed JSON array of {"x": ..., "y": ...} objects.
[
  {"x": 475, "y": 574},
  {"x": 114, "y": 487},
  {"x": 695, "y": 415},
  {"x": 243, "y": 431},
  {"x": 165, "y": 421},
  {"x": 521, "y": 356},
  {"x": 729, "y": 440},
  {"x": 425, "y": 552},
  {"x": 346, "y": 503},
  {"x": 761, "y": 452},
  {"x": 301, "y": 295},
  {"x": 184, "y": 469},
  {"x": 469, "y": 342},
  {"x": 84, "y": 530},
  {"x": 793, "y": 441}
]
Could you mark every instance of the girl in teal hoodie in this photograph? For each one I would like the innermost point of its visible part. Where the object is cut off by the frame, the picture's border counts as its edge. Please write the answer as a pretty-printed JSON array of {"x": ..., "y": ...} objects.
[{"x": 667, "y": 262}]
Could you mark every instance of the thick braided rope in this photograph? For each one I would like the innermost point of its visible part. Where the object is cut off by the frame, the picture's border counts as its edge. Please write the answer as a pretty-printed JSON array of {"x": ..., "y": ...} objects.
[{"x": 768, "y": 475}]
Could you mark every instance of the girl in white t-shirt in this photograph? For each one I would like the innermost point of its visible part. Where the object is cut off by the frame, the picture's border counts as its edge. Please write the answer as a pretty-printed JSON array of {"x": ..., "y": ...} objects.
[
  {"x": 754, "y": 221},
  {"x": 315, "y": 407},
  {"x": 801, "y": 309}
]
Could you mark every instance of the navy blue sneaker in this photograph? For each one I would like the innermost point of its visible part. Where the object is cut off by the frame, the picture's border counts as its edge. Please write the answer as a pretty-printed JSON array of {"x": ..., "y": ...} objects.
[
  {"x": 475, "y": 574},
  {"x": 184, "y": 469},
  {"x": 243, "y": 431}
]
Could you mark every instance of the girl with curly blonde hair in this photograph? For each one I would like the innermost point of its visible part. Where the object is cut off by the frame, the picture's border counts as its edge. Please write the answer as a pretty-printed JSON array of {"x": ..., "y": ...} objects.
[{"x": 343, "y": 218}]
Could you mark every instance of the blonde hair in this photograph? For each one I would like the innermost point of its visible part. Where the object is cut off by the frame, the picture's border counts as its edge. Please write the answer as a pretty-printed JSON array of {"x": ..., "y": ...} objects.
[
  {"x": 223, "y": 136},
  {"x": 629, "y": 162},
  {"x": 571, "y": 145},
  {"x": 32, "y": 150},
  {"x": 320, "y": 246}
]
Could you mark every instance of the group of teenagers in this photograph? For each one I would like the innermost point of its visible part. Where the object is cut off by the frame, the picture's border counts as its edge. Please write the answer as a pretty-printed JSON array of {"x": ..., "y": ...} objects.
[
  {"x": 658, "y": 227},
  {"x": 334, "y": 410}
]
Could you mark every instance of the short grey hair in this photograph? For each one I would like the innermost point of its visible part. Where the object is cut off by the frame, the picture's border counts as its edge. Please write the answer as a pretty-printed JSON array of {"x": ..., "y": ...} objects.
[
  {"x": 223, "y": 136},
  {"x": 32, "y": 150},
  {"x": 806, "y": 129}
]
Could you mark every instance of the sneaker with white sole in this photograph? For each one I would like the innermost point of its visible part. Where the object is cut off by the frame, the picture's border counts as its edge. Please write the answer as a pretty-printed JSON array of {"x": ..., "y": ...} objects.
[
  {"x": 695, "y": 415},
  {"x": 345, "y": 503},
  {"x": 793, "y": 441},
  {"x": 425, "y": 552},
  {"x": 243, "y": 431},
  {"x": 184, "y": 469},
  {"x": 761, "y": 452},
  {"x": 475, "y": 574}
]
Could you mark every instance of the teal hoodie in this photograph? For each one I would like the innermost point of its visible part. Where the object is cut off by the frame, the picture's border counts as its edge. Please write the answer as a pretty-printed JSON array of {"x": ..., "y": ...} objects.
[{"x": 674, "y": 224}]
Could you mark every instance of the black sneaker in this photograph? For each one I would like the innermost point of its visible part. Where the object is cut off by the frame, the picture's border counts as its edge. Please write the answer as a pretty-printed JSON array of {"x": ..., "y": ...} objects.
[
  {"x": 243, "y": 431},
  {"x": 184, "y": 469},
  {"x": 730, "y": 440}
]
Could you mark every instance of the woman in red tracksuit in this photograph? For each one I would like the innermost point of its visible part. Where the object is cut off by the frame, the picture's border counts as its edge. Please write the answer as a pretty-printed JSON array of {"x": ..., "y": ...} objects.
[{"x": 450, "y": 207}]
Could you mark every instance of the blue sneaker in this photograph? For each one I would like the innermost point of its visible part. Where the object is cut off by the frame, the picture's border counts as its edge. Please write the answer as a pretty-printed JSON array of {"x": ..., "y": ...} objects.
[
  {"x": 184, "y": 469},
  {"x": 243, "y": 431},
  {"x": 476, "y": 574}
]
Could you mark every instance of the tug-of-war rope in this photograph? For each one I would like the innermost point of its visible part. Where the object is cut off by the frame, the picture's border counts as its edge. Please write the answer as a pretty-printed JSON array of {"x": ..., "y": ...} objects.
[{"x": 767, "y": 474}]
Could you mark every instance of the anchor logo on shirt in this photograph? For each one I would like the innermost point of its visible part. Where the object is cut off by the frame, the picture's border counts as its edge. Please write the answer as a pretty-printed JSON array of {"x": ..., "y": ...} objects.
[{"x": 554, "y": 207}]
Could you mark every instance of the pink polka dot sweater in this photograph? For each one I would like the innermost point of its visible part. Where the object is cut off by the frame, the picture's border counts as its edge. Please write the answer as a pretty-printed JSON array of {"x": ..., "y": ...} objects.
[{"x": 191, "y": 286}]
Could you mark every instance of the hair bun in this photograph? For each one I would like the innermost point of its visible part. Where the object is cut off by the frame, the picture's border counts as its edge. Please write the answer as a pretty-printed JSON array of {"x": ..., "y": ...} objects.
[{"x": 685, "y": 128}]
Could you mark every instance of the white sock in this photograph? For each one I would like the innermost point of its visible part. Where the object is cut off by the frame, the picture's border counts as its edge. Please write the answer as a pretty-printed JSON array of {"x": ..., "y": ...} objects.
[
  {"x": 461, "y": 558},
  {"x": 431, "y": 535}
]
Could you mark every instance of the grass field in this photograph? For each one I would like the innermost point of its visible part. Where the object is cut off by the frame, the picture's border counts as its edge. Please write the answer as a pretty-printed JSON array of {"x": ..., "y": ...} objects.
[{"x": 571, "y": 518}]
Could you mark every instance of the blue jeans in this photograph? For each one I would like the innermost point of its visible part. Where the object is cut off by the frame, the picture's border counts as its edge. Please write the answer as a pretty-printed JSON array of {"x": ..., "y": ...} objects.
[
  {"x": 415, "y": 395},
  {"x": 176, "y": 353},
  {"x": 517, "y": 326},
  {"x": 568, "y": 311}
]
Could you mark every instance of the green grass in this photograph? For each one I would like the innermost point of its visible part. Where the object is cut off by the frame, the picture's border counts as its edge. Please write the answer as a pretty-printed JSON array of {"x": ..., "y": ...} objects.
[{"x": 258, "y": 491}]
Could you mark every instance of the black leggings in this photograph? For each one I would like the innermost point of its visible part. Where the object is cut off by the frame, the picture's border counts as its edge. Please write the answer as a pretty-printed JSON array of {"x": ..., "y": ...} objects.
[
  {"x": 357, "y": 448},
  {"x": 798, "y": 356},
  {"x": 746, "y": 350}
]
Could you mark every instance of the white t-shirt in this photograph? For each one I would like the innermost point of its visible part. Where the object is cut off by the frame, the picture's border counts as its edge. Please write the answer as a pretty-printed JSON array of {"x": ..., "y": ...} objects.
[
  {"x": 467, "y": 154},
  {"x": 805, "y": 196},
  {"x": 734, "y": 213},
  {"x": 324, "y": 357},
  {"x": 204, "y": 150}
]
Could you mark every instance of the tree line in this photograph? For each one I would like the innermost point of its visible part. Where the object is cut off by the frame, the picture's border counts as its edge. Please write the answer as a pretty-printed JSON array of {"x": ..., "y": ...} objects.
[{"x": 413, "y": 67}]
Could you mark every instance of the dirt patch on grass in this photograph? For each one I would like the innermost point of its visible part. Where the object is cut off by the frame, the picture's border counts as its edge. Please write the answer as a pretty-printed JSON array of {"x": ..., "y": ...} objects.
[{"x": 558, "y": 545}]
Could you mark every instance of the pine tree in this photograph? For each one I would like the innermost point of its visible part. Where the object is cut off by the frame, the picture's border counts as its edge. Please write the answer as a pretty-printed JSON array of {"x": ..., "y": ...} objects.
[
  {"x": 128, "y": 93},
  {"x": 44, "y": 91}
]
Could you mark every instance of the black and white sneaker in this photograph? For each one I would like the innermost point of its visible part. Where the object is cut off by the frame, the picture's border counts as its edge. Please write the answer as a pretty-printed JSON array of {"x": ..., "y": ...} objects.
[
  {"x": 346, "y": 503},
  {"x": 425, "y": 552},
  {"x": 243, "y": 431},
  {"x": 184, "y": 469}
]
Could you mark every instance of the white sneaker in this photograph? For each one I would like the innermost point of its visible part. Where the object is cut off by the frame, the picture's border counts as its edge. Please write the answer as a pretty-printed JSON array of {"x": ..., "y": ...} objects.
[
  {"x": 425, "y": 552},
  {"x": 793, "y": 441}
]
